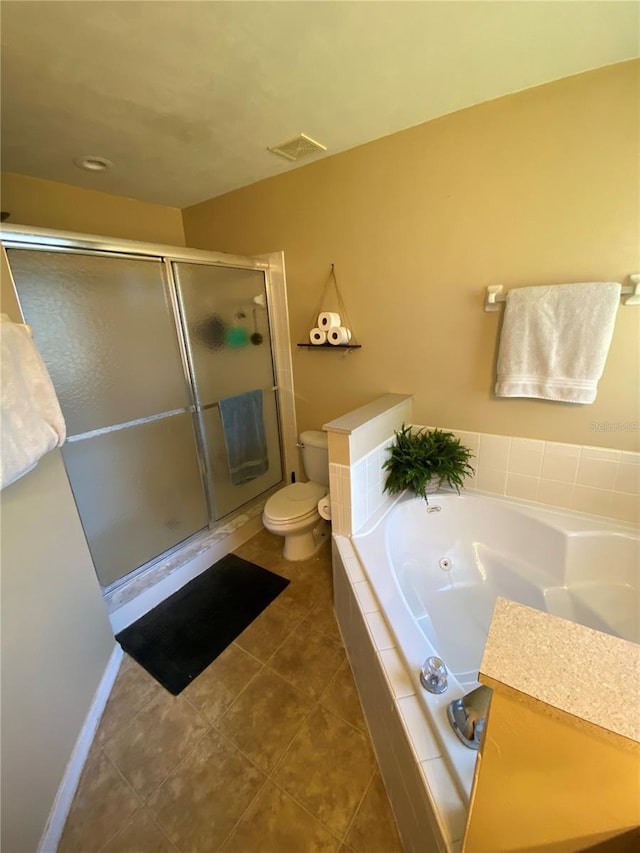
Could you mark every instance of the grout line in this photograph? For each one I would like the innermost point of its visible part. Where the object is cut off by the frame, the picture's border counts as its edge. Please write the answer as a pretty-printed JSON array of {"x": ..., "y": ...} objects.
[
  {"x": 124, "y": 725},
  {"x": 356, "y": 811},
  {"x": 138, "y": 796},
  {"x": 130, "y": 787},
  {"x": 160, "y": 829},
  {"x": 364, "y": 732},
  {"x": 208, "y": 728},
  {"x": 287, "y": 748},
  {"x": 304, "y": 808},
  {"x": 314, "y": 699},
  {"x": 177, "y": 766},
  {"x": 120, "y": 828},
  {"x": 242, "y": 816},
  {"x": 237, "y": 696},
  {"x": 286, "y": 751}
]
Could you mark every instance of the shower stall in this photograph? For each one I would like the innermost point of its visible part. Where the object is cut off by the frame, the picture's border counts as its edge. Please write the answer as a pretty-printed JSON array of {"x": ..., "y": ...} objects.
[{"x": 164, "y": 363}]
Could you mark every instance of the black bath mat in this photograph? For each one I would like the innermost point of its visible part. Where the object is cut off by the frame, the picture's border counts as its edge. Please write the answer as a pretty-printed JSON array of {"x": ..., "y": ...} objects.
[{"x": 180, "y": 637}]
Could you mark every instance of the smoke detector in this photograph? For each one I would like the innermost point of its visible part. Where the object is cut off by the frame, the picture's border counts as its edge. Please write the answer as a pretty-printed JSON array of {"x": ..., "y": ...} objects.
[{"x": 298, "y": 147}]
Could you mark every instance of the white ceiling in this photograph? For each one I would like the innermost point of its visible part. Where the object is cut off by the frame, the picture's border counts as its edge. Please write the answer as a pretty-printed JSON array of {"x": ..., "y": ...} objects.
[{"x": 185, "y": 97}]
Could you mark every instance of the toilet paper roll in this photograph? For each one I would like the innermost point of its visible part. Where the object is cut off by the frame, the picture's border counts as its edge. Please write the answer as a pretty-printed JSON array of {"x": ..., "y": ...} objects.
[
  {"x": 328, "y": 319},
  {"x": 339, "y": 335},
  {"x": 324, "y": 508},
  {"x": 318, "y": 336}
]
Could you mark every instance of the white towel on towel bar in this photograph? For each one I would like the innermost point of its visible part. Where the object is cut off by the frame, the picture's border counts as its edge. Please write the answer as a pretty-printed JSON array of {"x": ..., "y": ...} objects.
[
  {"x": 555, "y": 340},
  {"x": 31, "y": 420}
]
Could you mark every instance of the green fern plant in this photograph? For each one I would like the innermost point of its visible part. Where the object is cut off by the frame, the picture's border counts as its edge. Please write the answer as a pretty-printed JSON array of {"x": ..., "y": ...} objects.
[{"x": 420, "y": 457}]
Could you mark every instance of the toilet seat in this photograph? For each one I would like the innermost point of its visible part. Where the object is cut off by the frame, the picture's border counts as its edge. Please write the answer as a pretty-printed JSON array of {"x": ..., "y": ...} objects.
[{"x": 295, "y": 502}]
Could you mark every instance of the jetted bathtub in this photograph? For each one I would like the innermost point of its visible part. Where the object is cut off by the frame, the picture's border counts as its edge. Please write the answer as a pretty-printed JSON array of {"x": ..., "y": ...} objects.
[{"x": 438, "y": 568}]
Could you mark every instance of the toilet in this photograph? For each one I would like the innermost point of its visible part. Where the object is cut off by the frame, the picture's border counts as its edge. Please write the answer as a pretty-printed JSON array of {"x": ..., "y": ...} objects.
[{"x": 293, "y": 511}]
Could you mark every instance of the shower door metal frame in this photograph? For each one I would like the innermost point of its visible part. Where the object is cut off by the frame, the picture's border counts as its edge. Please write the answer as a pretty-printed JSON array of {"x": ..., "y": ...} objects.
[
  {"x": 42, "y": 239},
  {"x": 190, "y": 373}
]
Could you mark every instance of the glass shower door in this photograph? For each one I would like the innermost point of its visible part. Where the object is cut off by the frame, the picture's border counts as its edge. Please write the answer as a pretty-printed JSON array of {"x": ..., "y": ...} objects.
[
  {"x": 229, "y": 348},
  {"x": 105, "y": 327}
]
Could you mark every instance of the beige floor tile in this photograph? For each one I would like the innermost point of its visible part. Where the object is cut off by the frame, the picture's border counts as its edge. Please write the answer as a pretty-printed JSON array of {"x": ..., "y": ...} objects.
[
  {"x": 140, "y": 835},
  {"x": 199, "y": 804},
  {"x": 199, "y": 784},
  {"x": 277, "y": 824},
  {"x": 216, "y": 688},
  {"x": 264, "y": 719},
  {"x": 310, "y": 582},
  {"x": 321, "y": 574},
  {"x": 132, "y": 690},
  {"x": 264, "y": 549},
  {"x": 323, "y": 618},
  {"x": 374, "y": 828},
  {"x": 151, "y": 746},
  {"x": 342, "y": 698},
  {"x": 327, "y": 768},
  {"x": 102, "y": 805},
  {"x": 308, "y": 660},
  {"x": 299, "y": 597},
  {"x": 317, "y": 571},
  {"x": 268, "y": 631}
]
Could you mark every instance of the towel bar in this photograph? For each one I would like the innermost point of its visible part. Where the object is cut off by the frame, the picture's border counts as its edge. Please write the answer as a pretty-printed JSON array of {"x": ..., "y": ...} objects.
[{"x": 495, "y": 294}]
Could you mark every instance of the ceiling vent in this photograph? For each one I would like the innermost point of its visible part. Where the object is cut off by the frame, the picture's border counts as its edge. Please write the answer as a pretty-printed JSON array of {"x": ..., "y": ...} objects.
[{"x": 298, "y": 147}]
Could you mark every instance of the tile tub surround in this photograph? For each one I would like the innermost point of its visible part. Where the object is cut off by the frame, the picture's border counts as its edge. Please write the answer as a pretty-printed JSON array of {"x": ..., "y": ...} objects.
[
  {"x": 358, "y": 444},
  {"x": 429, "y": 809},
  {"x": 593, "y": 480},
  {"x": 266, "y": 751}
]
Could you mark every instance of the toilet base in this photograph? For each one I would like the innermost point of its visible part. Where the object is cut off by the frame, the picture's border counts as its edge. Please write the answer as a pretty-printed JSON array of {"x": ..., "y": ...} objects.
[{"x": 303, "y": 546}]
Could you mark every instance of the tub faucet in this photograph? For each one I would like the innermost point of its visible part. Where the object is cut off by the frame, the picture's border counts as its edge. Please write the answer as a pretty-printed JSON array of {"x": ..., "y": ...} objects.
[
  {"x": 468, "y": 714},
  {"x": 434, "y": 675}
]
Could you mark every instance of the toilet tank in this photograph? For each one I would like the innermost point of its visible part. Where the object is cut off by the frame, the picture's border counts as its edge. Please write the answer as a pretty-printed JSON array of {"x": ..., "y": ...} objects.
[{"x": 315, "y": 455}]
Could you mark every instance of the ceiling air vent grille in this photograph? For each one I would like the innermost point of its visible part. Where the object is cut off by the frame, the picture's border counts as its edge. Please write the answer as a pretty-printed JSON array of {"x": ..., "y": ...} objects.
[{"x": 298, "y": 147}]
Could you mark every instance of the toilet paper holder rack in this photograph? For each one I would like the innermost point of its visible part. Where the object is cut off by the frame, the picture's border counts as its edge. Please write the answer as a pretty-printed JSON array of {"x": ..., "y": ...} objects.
[{"x": 352, "y": 344}]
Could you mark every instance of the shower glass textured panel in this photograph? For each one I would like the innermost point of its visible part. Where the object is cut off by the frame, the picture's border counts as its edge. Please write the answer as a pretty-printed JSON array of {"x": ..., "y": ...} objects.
[
  {"x": 221, "y": 317},
  {"x": 138, "y": 492},
  {"x": 105, "y": 328},
  {"x": 226, "y": 495},
  {"x": 230, "y": 348}
]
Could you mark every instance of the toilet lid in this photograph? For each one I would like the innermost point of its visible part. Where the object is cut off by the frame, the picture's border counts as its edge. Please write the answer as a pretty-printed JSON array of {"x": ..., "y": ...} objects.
[{"x": 294, "y": 500}]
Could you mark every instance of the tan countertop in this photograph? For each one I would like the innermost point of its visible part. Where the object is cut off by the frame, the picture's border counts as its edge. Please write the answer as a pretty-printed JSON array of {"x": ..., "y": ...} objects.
[{"x": 586, "y": 673}]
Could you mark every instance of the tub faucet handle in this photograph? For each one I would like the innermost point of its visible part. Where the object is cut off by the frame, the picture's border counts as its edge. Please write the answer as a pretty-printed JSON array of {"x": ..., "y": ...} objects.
[{"x": 434, "y": 675}]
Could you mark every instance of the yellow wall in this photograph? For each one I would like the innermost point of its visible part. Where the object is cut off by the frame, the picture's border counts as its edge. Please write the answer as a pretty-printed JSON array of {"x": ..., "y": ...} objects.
[
  {"x": 546, "y": 781},
  {"x": 49, "y": 204},
  {"x": 534, "y": 188},
  {"x": 56, "y": 637}
]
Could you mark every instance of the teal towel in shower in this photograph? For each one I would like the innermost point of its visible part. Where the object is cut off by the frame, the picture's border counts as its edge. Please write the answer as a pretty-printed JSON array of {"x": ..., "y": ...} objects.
[{"x": 244, "y": 436}]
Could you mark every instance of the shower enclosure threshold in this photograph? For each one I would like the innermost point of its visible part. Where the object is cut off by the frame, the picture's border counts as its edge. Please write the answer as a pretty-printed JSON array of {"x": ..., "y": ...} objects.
[{"x": 148, "y": 586}]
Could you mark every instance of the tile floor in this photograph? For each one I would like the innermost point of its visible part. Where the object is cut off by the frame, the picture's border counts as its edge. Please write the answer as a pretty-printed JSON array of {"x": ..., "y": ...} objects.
[{"x": 266, "y": 752}]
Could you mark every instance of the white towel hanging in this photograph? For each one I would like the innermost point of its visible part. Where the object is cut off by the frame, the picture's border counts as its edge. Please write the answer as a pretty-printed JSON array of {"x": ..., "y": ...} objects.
[
  {"x": 555, "y": 340},
  {"x": 31, "y": 421}
]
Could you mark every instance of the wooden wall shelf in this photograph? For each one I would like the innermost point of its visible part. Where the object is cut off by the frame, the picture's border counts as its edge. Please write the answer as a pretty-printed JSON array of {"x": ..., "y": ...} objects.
[{"x": 331, "y": 346}]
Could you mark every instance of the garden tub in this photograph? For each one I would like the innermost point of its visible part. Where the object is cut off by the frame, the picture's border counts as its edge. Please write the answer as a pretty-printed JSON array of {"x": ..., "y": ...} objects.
[{"x": 438, "y": 568}]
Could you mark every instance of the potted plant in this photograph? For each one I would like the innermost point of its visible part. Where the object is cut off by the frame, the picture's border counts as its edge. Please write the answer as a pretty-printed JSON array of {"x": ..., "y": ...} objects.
[{"x": 424, "y": 459}]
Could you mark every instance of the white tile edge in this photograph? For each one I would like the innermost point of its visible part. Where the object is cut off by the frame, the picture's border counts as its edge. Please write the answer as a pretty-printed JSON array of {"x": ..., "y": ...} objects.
[
  {"x": 448, "y": 841},
  {"x": 443, "y": 824}
]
